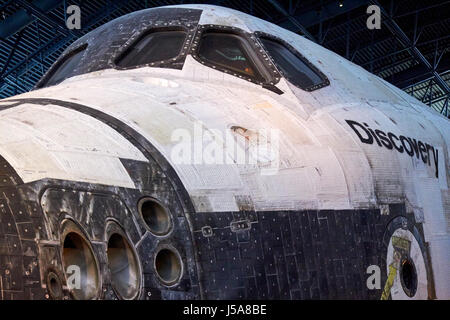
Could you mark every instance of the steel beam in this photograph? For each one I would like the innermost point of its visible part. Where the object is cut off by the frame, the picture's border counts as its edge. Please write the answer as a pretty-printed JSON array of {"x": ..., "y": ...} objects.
[
  {"x": 444, "y": 109},
  {"x": 39, "y": 14},
  {"x": 328, "y": 11},
  {"x": 21, "y": 18},
  {"x": 416, "y": 74},
  {"x": 298, "y": 25},
  {"x": 11, "y": 53},
  {"x": 407, "y": 43}
]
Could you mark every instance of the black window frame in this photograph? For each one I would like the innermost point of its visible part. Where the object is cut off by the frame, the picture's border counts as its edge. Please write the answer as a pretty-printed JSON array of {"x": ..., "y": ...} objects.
[
  {"x": 254, "y": 60},
  {"x": 325, "y": 81},
  {"x": 157, "y": 64},
  {"x": 52, "y": 71},
  {"x": 268, "y": 72}
]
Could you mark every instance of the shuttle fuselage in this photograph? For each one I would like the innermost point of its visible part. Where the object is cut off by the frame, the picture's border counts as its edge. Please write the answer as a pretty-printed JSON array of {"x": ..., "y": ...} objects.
[{"x": 314, "y": 175}]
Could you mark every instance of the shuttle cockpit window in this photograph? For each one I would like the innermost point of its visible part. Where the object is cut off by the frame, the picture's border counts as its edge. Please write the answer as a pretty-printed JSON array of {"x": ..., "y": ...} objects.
[
  {"x": 230, "y": 52},
  {"x": 294, "y": 67},
  {"x": 153, "y": 47},
  {"x": 66, "y": 68}
]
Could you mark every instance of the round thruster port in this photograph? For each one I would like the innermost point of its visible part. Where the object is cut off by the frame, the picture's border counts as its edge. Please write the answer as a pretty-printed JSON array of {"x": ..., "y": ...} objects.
[
  {"x": 156, "y": 217},
  {"x": 54, "y": 286},
  {"x": 408, "y": 277},
  {"x": 406, "y": 264},
  {"x": 80, "y": 264},
  {"x": 168, "y": 266},
  {"x": 123, "y": 265}
]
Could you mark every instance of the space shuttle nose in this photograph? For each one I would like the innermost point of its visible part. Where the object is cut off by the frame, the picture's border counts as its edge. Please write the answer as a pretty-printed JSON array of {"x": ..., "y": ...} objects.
[{"x": 196, "y": 152}]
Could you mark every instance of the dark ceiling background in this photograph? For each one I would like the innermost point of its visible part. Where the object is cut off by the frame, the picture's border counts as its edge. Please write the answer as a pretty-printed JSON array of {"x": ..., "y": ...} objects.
[{"x": 411, "y": 50}]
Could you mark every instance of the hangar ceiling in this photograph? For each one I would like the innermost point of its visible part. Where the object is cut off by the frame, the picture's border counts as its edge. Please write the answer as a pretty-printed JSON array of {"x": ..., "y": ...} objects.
[{"x": 411, "y": 50}]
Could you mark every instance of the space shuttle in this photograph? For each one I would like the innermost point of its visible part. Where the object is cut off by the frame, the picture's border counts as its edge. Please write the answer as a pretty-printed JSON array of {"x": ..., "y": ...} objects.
[{"x": 197, "y": 152}]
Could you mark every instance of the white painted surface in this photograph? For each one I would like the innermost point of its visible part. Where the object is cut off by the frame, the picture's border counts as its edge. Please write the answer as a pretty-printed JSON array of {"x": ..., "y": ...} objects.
[{"x": 55, "y": 142}]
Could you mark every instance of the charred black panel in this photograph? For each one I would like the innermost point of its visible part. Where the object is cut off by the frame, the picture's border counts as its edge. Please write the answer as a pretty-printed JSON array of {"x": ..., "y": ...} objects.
[
  {"x": 19, "y": 226},
  {"x": 92, "y": 206},
  {"x": 31, "y": 216},
  {"x": 292, "y": 254}
]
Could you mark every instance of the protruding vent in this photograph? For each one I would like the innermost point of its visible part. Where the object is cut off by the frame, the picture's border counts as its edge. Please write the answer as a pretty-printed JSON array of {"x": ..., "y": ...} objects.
[
  {"x": 54, "y": 286},
  {"x": 156, "y": 217},
  {"x": 80, "y": 265},
  {"x": 123, "y": 266},
  {"x": 168, "y": 266}
]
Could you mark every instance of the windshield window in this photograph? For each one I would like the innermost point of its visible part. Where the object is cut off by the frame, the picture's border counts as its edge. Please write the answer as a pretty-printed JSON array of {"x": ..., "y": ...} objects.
[
  {"x": 153, "y": 47},
  {"x": 66, "y": 68},
  {"x": 229, "y": 52},
  {"x": 292, "y": 66}
]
